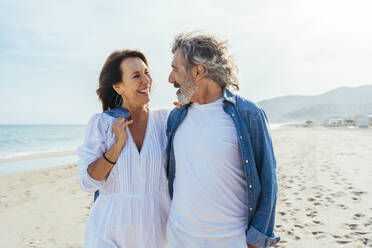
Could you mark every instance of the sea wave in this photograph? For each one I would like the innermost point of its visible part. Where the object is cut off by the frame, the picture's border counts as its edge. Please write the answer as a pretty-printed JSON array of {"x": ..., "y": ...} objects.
[
  {"x": 25, "y": 140},
  {"x": 16, "y": 155}
]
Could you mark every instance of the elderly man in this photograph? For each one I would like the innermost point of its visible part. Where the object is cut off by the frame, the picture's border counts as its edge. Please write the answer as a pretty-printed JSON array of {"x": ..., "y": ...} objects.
[{"x": 221, "y": 164}]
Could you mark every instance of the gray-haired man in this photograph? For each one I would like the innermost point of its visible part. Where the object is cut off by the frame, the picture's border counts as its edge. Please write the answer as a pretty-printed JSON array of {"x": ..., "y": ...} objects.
[{"x": 221, "y": 164}]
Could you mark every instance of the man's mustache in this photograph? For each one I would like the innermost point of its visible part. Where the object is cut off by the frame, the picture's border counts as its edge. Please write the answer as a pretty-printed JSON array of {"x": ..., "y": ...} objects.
[{"x": 176, "y": 85}]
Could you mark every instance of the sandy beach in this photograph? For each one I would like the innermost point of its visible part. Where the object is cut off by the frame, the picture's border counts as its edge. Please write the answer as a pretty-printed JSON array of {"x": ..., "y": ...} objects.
[{"x": 325, "y": 195}]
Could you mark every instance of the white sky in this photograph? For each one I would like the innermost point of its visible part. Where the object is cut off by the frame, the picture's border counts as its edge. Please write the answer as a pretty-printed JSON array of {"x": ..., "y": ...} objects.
[{"x": 51, "y": 52}]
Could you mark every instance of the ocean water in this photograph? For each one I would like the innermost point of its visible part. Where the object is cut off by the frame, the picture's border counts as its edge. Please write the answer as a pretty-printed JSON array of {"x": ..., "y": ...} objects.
[{"x": 18, "y": 140}]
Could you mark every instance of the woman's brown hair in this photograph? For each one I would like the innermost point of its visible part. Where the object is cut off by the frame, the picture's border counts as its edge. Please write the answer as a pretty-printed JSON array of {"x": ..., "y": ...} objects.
[{"x": 112, "y": 74}]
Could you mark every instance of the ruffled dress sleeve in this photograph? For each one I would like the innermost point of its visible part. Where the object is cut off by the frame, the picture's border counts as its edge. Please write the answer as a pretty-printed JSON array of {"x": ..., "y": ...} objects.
[{"x": 92, "y": 149}]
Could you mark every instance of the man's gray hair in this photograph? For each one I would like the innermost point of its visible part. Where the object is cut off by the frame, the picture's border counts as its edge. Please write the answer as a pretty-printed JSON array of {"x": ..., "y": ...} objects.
[{"x": 212, "y": 54}]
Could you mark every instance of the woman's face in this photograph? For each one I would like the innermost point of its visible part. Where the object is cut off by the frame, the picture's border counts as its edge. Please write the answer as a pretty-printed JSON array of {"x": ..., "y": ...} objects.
[{"x": 136, "y": 83}]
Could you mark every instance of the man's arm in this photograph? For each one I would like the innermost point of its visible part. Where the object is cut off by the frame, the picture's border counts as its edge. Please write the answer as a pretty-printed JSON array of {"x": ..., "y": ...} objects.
[{"x": 260, "y": 232}]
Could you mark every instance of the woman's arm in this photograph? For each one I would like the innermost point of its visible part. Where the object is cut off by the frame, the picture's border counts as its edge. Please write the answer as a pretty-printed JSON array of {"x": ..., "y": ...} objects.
[{"x": 100, "y": 168}]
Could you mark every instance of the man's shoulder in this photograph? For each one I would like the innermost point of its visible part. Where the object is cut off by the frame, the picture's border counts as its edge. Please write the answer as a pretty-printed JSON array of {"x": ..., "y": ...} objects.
[
  {"x": 174, "y": 118},
  {"x": 246, "y": 106}
]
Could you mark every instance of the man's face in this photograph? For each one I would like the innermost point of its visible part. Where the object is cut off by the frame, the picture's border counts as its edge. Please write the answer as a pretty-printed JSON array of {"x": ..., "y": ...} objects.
[{"x": 181, "y": 79}]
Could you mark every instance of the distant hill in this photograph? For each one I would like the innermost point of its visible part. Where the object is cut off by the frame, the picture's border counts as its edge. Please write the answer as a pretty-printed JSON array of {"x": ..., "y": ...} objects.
[{"x": 341, "y": 102}]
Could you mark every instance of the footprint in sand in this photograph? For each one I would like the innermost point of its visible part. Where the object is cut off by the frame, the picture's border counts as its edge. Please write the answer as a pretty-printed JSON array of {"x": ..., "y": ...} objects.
[
  {"x": 359, "y": 233},
  {"x": 318, "y": 222},
  {"x": 368, "y": 223},
  {"x": 319, "y": 235},
  {"x": 343, "y": 241},
  {"x": 343, "y": 206},
  {"x": 358, "y": 192},
  {"x": 316, "y": 233},
  {"x": 351, "y": 226},
  {"x": 338, "y": 194},
  {"x": 312, "y": 214},
  {"x": 329, "y": 199},
  {"x": 358, "y": 216},
  {"x": 293, "y": 235},
  {"x": 34, "y": 243},
  {"x": 366, "y": 241},
  {"x": 347, "y": 236}
]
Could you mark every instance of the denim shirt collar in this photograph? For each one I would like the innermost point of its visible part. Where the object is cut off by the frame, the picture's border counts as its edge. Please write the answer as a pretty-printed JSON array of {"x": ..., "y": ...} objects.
[
  {"x": 229, "y": 96},
  {"x": 118, "y": 112}
]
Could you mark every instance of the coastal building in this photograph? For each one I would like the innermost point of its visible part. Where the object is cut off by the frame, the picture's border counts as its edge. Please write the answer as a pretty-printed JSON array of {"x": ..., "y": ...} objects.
[
  {"x": 350, "y": 122},
  {"x": 364, "y": 121},
  {"x": 309, "y": 123},
  {"x": 334, "y": 122}
]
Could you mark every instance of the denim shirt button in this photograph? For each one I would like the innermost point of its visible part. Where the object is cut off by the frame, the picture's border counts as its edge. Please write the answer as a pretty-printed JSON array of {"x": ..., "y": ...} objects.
[
  {"x": 250, "y": 209},
  {"x": 233, "y": 115},
  {"x": 250, "y": 186},
  {"x": 246, "y": 161},
  {"x": 241, "y": 137}
]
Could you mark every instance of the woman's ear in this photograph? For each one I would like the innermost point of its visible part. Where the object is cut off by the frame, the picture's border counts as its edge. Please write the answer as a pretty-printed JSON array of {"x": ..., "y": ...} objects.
[{"x": 117, "y": 88}]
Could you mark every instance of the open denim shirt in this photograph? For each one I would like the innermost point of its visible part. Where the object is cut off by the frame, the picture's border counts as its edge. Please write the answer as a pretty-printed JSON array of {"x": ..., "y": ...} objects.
[{"x": 258, "y": 160}]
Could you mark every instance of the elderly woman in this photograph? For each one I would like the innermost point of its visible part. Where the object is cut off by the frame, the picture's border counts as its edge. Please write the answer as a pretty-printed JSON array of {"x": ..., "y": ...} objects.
[{"x": 124, "y": 158}]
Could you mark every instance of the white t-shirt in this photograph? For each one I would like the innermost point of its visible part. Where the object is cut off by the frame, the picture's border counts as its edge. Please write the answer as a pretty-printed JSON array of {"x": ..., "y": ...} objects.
[{"x": 210, "y": 191}]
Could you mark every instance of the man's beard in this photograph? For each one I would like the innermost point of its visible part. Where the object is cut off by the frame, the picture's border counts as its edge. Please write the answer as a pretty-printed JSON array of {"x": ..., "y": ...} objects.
[{"x": 186, "y": 91}]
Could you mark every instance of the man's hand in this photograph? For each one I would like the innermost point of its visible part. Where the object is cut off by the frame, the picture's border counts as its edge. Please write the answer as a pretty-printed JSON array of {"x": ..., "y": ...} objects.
[
  {"x": 178, "y": 106},
  {"x": 251, "y": 246}
]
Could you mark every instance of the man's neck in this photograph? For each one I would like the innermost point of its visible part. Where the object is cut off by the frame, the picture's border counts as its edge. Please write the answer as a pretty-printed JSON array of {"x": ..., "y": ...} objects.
[{"x": 209, "y": 92}]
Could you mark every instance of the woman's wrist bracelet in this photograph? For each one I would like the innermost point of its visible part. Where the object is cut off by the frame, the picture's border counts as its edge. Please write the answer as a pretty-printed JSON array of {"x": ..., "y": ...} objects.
[{"x": 104, "y": 156}]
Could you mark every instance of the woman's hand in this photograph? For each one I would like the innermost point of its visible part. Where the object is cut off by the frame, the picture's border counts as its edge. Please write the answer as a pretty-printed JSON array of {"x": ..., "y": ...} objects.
[
  {"x": 120, "y": 130},
  {"x": 100, "y": 169}
]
